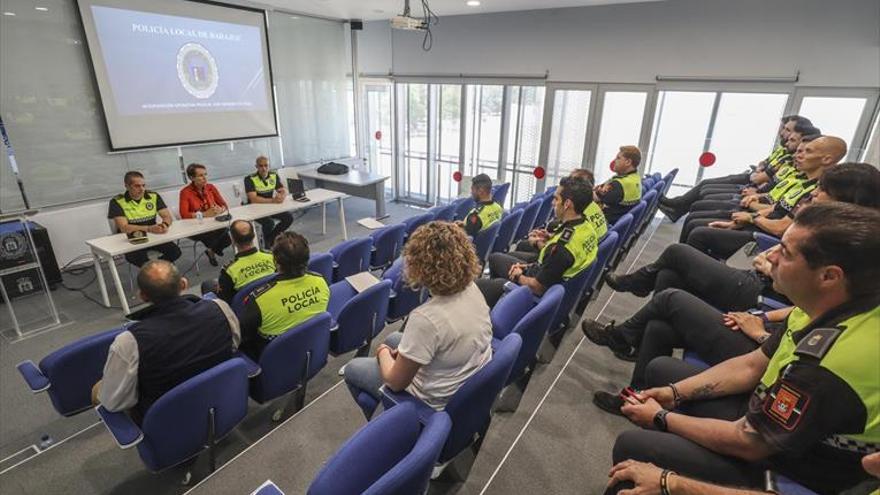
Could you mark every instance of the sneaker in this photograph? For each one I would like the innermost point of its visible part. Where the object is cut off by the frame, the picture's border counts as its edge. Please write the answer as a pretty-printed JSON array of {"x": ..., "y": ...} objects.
[
  {"x": 608, "y": 402},
  {"x": 630, "y": 355}
]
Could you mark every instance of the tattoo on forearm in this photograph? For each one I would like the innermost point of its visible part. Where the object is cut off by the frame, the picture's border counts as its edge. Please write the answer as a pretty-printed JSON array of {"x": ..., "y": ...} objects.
[{"x": 706, "y": 391}]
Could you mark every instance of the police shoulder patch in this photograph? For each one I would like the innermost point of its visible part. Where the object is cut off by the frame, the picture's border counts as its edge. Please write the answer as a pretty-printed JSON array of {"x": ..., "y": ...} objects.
[
  {"x": 566, "y": 234},
  {"x": 786, "y": 405},
  {"x": 818, "y": 342},
  {"x": 259, "y": 291}
]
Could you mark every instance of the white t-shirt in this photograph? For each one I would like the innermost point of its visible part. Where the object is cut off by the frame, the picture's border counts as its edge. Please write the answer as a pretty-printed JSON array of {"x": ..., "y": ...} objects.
[{"x": 451, "y": 337}]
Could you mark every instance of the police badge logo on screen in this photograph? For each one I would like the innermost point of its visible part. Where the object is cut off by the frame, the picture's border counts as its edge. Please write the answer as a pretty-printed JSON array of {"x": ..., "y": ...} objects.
[{"x": 197, "y": 70}]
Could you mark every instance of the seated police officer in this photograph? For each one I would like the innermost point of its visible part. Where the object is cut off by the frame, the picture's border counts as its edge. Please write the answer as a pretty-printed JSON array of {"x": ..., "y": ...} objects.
[
  {"x": 486, "y": 211},
  {"x": 624, "y": 190},
  {"x": 177, "y": 340},
  {"x": 812, "y": 412},
  {"x": 264, "y": 186},
  {"x": 250, "y": 264},
  {"x": 292, "y": 298},
  {"x": 134, "y": 213},
  {"x": 593, "y": 212},
  {"x": 570, "y": 249}
]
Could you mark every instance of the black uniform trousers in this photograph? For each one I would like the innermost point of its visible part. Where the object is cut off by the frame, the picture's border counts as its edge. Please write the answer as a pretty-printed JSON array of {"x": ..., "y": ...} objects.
[
  {"x": 499, "y": 266},
  {"x": 216, "y": 241},
  {"x": 721, "y": 243},
  {"x": 675, "y": 319},
  {"x": 271, "y": 229},
  {"x": 168, "y": 252},
  {"x": 670, "y": 451},
  {"x": 683, "y": 203}
]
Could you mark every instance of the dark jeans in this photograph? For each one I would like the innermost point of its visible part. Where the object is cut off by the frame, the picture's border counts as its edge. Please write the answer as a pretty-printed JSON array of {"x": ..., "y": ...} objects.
[
  {"x": 675, "y": 319},
  {"x": 701, "y": 219},
  {"x": 168, "y": 252},
  {"x": 727, "y": 204},
  {"x": 720, "y": 243},
  {"x": 684, "y": 201},
  {"x": 216, "y": 241},
  {"x": 683, "y": 267},
  {"x": 271, "y": 230},
  {"x": 670, "y": 451}
]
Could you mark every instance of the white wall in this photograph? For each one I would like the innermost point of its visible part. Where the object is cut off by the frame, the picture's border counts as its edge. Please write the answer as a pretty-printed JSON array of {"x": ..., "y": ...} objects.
[{"x": 831, "y": 43}]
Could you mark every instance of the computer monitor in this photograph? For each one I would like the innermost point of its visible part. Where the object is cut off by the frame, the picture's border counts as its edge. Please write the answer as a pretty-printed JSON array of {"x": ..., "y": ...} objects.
[{"x": 297, "y": 189}]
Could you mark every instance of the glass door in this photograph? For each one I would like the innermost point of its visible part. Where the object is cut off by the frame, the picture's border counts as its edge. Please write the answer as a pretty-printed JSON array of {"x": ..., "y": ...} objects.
[
  {"x": 413, "y": 143},
  {"x": 622, "y": 122},
  {"x": 446, "y": 156},
  {"x": 681, "y": 130},
  {"x": 525, "y": 116},
  {"x": 483, "y": 117},
  {"x": 568, "y": 132},
  {"x": 377, "y": 129}
]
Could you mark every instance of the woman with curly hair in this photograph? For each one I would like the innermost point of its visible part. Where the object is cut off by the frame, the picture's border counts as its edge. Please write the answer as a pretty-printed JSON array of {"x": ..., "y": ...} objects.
[{"x": 448, "y": 338}]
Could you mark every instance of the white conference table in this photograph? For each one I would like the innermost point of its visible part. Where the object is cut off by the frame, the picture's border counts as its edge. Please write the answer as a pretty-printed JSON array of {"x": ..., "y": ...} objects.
[{"x": 107, "y": 247}]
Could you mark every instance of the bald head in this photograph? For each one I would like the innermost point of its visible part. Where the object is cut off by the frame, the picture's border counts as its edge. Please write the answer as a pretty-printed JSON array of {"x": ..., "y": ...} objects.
[
  {"x": 831, "y": 146},
  {"x": 242, "y": 233},
  {"x": 159, "y": 281},
  {"x": 816, "y": 156}
]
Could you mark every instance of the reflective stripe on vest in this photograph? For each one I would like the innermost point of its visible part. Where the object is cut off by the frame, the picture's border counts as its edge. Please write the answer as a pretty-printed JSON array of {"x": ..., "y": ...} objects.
[
  {"x": 139, "y": 212},
  {"x": 248, "y": 268},
  {"x": 580, "y": 240},
  {"x": 265, "y": 188},
  {"x": 593, "y": 214},
  {"x": 632, "y": 188},
  {"x": 286, "y": 303},
  {"x": 794, "y": 195},
  {"x": 853, "y": 358},
  {"x": 784, "y": 186},
  {"x": 488, "y": 214}
]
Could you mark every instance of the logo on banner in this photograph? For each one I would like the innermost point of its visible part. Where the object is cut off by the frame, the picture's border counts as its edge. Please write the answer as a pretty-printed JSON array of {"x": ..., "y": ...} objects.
[{"x": 197, "y": 70}]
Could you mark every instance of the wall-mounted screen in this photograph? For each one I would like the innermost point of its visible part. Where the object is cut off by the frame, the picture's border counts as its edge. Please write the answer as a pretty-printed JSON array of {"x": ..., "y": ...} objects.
[{"x": 178, "y": 72}]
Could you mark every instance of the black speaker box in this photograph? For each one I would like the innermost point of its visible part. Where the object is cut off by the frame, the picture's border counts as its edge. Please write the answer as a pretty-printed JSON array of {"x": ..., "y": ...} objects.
[{"x": 14, "y": 251}]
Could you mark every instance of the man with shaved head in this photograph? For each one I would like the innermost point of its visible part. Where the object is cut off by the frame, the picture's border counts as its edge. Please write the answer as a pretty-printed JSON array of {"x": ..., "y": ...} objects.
[
  {"x": 178, "y": 339},
  {"x": 722, "y": 239},
  {"x": 249, "y": 264}
]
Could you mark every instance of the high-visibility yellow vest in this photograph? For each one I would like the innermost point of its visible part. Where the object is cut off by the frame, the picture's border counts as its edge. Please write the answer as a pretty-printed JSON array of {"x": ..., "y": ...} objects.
[
  {"x": 285, "y": 303},
  {"x": 139, "y": 212},
  {"x": 250, "y": 267},
  {"x": 632, "y": 188},
  {"x": 580, "y": 239}
]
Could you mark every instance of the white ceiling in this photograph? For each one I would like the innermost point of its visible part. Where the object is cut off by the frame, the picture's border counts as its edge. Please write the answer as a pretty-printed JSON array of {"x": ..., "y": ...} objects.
[{"x": 370, "y": 10}]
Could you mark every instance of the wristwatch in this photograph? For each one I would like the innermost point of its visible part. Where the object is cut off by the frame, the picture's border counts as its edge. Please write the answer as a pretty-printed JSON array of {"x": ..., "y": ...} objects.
[{"x": 660, "y": 420}]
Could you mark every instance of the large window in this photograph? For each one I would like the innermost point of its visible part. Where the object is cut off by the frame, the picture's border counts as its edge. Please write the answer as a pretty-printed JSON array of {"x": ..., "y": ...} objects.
[
  {"x": 484, "y": 105},
  {"x": 526, "y": 105},
  {"x": 568, "y": 129},
  {"x": 377, "y": 131},
  {"x": 682, "y": 122},
  {"x": 834, "y": 116},
  {"x": 448, "y": 143},
  {"x": 412, "y": 173},
  {"x": 621, "y": 124}
]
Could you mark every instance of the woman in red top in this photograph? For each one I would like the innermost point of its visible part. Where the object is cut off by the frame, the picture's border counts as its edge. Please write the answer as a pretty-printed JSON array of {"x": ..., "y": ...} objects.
[{"x": 199, "y": 196}]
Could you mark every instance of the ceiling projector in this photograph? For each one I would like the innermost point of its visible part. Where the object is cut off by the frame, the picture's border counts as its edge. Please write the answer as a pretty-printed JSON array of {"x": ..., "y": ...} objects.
[{"x": 408, "y": 23}]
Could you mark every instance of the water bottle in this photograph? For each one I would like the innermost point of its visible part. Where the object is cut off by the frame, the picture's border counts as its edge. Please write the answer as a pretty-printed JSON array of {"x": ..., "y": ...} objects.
[
  {"x": 200, "y": 216},
  {"x": 45, "y": 442}
]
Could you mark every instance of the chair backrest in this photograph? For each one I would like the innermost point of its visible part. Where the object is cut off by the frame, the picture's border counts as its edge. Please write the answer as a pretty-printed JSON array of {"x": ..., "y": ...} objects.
[
  {"x": 765, "y": 241},
  {"x": 656, "y": 176},
  {"x": 392, "y": 454},
  {"x": 575, "y": 287},
  {"x": 607, "y": 247},
  {"x": 527, "y": 223},
  {"x": 485, "y": 240},
  {"x": 509, "y": 223},
  {"x": 532, "y": 327},
  {"x": 463, "y": 206},
  {"x": 237, "y": 303},
  {"x": 322, "y": 264},
  {"x": 638, "y": 212},
  {"x": 412, "y": 223},
  {"x": 387, "y": 243},
  {"x": 509, "y": 310},
  {"x": 351, "y": 256},
  {"x": 622, "y": 225},
  {"x": 176, "y": 426},
  {"x": 668, "y": 180},
  {"x": 73, "y": 369},
  {"x": 470, "y": 406},
  {"x": 403, "y": 299},
  {"x": 499, "y": 192},
  {"x": 649, "y": 199},
  {"x": 361, "y": 318},
  {"x": 444, "y": 212},
  {"x": 283, "y": 362},
  {"x": 545, "y": 211}
]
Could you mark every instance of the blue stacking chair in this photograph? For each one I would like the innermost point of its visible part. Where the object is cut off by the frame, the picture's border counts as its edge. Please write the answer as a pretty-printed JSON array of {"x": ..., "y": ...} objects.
[
  {"x": 391, "y": 455},
  {"x": 499, "y": 192},
  {"x": 509, "y": 223},
  {"x": 192, "y": 416},
  {"x": 322, "y": 264},
  {"x": 787, "y": 486},
  {"x": 509, "y": 310},
  {"x": 470, "y": 406},
  {"x": 531, "y": 327},
  {"x": 545, "y": 212},
  {"x": 650, "y": 200},
  {"x": 237, "y": 303},
  {"x": 289, "y": 361},
  {"x": 402, "y": 299},
  {"x": 667, "y": 179},
  {"x": 387, "y": 243},
  {"x": 412, "y": 223},
  {"x": 485, "y": 240},
  {"x": 765, "y": 241},
  {"x": 550, "y": 190},
  {"x": 608, "y": 246},
  {"x": 463, "y": 206},
  {"x": 350, "y": 257},
  {"x": 357, "y": 318},
  {"x": 68, "y": 374},
  {"x": 444, "y": 213},
  {"x": 527, "y": 223},
  {"x": 638, "y": 214},
  {"x": 575, "y": 287}
]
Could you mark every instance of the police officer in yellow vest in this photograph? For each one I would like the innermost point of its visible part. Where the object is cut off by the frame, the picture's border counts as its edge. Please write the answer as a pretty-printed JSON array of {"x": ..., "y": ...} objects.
[
  {"x": 813, "y": 409},
  {"x": 250, "y": 264},
  {"x": 134, "y": 212},
  {"x": 624, "y": 190},
  {"x": 264, "y": 186},
  {"x": 593, "y": 212},
  {"x": 292, "y": 298},
  {"x": 570, "y": 249},
  {"x": 487, "y": 211}
]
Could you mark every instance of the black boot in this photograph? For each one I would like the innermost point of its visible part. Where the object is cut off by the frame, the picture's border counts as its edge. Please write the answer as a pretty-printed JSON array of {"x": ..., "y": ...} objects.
[
  {"x": 604, "y": 335},
  {"x": 608, "y": 402},
  {"x": 671, "y": 212},
  {"x": 640, "y": 283}
]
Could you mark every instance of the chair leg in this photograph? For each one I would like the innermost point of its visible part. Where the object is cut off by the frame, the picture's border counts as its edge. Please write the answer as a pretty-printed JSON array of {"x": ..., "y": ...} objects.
[
  {"x": 212, "y": 455},
  {"x": 196, "y": 256},
  {"x": 297, "y": 399}
]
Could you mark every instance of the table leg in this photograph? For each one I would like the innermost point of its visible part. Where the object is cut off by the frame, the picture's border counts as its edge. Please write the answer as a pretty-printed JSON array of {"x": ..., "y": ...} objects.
[
  {"x": 120, "y": 291},
  {"x": 342, "y": 220},
  {"x": 324, "y": 218},
  {"x": 99, "y": 274},
  {"x": 380, "y": 201}
]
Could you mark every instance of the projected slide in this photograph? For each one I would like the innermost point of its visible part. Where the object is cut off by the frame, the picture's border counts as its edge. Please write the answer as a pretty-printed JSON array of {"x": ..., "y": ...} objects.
[{"x": 173, "y": 72}]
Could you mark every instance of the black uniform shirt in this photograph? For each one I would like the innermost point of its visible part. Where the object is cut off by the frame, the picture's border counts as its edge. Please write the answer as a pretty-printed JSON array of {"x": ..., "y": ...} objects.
[{"x": 249, "y": 184}]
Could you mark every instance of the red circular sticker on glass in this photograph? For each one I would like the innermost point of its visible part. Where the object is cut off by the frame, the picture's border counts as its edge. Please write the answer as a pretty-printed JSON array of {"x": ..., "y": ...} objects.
[
  {"x": 456, "y": 176},
  {"x": 707, "y": 159},
  {"x": 378, "y": 135},
  {"x": 539, "y": 172}
]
